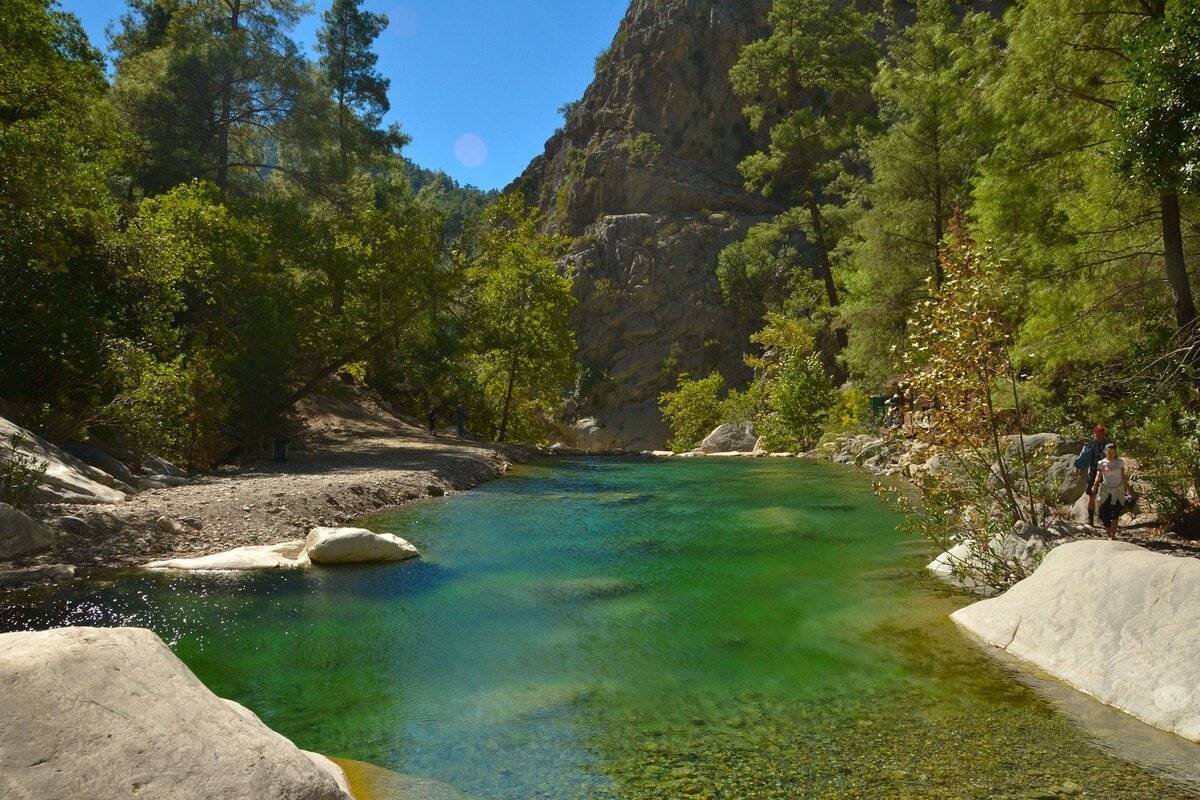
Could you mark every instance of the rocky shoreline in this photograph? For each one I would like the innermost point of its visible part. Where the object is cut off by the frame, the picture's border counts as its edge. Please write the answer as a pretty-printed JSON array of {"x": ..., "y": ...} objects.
[{"x": 354, "y": 459}]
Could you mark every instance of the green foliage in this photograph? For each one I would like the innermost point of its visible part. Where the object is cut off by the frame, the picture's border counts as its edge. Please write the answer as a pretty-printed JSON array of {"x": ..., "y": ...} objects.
[
  {"x": 524, "y": 346},
  {"x": 795, "y": 388},
  {"x": 642, "y": 148},
  {"x": 1158, "y": 123},
  {"x": 63, "y": 288},
  {"x": 692, "y": 410},
  {"x": 937, "y": 128},
  {"x": 20, "y": 475},
  {"x": 849, "y": 412}
]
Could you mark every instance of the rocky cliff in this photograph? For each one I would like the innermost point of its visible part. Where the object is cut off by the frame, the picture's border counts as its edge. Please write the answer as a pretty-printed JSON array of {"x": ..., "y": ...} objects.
[{"x": 644, "y": 176}]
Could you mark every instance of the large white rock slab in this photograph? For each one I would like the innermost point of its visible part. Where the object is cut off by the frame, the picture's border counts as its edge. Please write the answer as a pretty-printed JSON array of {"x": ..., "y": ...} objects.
[
  {"x": 355, "y": 546},
  {"x": 1112, "y": 619},
  {"x": 286, "y": 555},
  {"x": 67, "y": 480},
  {"x": 111, "y": 712}
]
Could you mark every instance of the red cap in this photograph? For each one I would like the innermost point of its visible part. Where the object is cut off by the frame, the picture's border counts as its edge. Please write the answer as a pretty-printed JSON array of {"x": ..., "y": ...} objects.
[{"x": 1099, "y": 430}]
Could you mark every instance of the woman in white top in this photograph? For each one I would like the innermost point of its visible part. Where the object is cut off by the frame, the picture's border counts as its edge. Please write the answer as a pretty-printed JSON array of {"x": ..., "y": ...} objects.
[{"x": 1111, "y": 489}]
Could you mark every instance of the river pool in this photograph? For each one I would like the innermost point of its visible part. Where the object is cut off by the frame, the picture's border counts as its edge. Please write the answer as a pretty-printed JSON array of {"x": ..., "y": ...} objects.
[{"x": 606, "y": 628}]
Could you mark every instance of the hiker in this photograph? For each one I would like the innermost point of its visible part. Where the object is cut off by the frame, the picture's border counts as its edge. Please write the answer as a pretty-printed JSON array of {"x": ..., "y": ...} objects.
[
  {"x": 1087, "y": 463},
  {"x": 1111, "y": 489}
]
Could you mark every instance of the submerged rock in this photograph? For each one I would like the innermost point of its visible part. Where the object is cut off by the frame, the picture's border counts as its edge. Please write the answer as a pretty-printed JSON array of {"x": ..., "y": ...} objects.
[
  {"x": 1112, "y": 619},
  {"x": 355, "y": 546},
  {"x": 111, "y": 712}
]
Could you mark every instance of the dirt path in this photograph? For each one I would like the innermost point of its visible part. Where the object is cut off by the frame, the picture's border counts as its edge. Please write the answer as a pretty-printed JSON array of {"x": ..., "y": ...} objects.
[{"x": 351, "y": 458}]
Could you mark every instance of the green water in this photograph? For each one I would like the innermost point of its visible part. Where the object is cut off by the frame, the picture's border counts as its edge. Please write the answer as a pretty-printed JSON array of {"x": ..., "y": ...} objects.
[{"x": 632, "y": 629}]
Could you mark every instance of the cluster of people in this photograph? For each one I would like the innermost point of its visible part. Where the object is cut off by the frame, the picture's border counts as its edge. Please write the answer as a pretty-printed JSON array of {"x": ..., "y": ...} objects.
[{"x": 1107, "y": 484}]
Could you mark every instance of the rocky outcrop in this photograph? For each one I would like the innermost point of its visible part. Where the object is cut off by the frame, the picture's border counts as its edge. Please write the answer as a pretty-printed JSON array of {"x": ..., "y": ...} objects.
[
  {"x": 355, "y": 546},
  {"x": 644, "y": 176},
  {"x": 111, "y": 712},
  {"x": 21, "y": 535},
  {"x": 589, "y": 436},
  {"x": 731, "y": 437},
  {"x": 67, "y": 479},
  {"x": 1111, "y": 619}
]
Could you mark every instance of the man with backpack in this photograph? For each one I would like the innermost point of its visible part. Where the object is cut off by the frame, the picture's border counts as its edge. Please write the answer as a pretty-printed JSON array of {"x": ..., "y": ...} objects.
[{"x": 1087, "y": 464}]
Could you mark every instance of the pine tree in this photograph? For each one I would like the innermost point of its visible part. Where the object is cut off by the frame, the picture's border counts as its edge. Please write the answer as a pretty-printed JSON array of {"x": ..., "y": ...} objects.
[
  {"x": 808, "y": 84},
  {"x": 347, "y": 66}
]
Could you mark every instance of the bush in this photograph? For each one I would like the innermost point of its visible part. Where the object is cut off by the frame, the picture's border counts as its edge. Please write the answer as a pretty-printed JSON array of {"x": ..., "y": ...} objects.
[
  {"x": 175, "y": 409},
  {"x": 642, "y": 148},
  {"x": 20, "y": 475},
  {"x": 1173, "y": 473},
  {"x": 692, "y": 410},
  {"x": 850, "y": 412}
]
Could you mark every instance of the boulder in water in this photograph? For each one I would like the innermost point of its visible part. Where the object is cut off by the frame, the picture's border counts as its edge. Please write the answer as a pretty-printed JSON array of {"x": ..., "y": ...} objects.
[
  {"x": 111, "y": 712},
  {"x": 355, "y": 546},
  {"x": 1112, "y": 619}
]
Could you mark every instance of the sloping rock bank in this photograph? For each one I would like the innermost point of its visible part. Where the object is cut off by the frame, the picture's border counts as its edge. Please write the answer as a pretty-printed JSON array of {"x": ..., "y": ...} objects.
[
  {"x": 1111, "y": 619},
  {"x": 111, "y": 712}
]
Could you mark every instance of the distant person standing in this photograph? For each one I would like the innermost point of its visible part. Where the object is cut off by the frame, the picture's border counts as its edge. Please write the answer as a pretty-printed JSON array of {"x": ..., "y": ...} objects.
[
  {"x": 460, "y": 420},
  {"x": 1111, "y": 489},
  {"x": 1088, "y": 462}
]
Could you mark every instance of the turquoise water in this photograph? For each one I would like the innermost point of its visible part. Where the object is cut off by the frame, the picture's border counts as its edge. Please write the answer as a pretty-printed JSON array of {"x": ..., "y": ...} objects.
[{"x": 603, "y": 628}]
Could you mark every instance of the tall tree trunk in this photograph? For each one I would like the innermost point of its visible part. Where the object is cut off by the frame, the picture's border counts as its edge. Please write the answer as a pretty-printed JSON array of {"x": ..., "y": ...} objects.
[
  {"x": 1177, "y": 277},
  {"x": 508, "y": 393},
  {"x": 939, "y": 212},
  {"x": 235, "y": 10},
  {"x": 826, "y": 267}
]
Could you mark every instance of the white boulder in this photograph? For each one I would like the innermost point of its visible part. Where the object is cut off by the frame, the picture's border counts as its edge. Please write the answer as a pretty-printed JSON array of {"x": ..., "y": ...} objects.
[
  {"x": 1112, "y": 619},
  {"x": 355, "y": 546},
  {"x": 111, "y": 712},
  {"x": 20, "y": 534},
  {"x": 67, "y": 479},
  {"x": 730, "y": 437},
  {"x": 286, "y": 555},
  {"x": 969, "y": 565}
]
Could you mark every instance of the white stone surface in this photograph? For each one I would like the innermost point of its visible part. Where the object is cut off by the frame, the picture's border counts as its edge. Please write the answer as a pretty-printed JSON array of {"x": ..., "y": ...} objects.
[
  {"x": 286, "y": 555},
  {"x": 964, "y": 564},
  {"x": 68, "y": 480},
  {"x": 20, "y": 534},
  {"x": 1112, "y": 619},
  {"x": 355, "y": 546},
  {"x": 112, "y": 713}
]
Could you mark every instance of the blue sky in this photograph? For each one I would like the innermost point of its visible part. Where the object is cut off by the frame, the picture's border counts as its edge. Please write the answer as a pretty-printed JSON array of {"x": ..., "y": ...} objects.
[{"x": 485, "y": 75}]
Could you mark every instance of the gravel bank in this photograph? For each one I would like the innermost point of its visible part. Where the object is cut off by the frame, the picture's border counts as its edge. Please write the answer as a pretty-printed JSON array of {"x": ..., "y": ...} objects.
[{"x": 351, "y": 457}]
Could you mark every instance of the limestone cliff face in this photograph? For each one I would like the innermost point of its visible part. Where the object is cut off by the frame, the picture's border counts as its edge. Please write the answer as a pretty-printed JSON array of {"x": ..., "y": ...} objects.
[{"x": 644, "y": 176}]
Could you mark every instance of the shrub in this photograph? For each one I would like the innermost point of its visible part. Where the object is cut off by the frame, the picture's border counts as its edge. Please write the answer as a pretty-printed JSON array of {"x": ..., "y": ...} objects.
[
  {"x": 642, "y": 148},
  {"x": 692, "y": 410},
  {"x": 20, "y": 475}
]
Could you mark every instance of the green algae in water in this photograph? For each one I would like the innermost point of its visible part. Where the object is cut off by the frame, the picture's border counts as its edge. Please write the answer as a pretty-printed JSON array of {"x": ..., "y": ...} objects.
[{"x": 618, "y": 629}]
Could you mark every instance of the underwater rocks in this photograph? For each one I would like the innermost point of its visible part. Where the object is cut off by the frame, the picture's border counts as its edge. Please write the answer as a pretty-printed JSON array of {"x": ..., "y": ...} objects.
[
  {"x": 111, "y": 712},
  {"x": 1111, "y": 619},
  {"x": 323, "y": 546}
]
